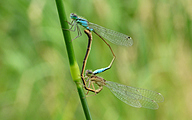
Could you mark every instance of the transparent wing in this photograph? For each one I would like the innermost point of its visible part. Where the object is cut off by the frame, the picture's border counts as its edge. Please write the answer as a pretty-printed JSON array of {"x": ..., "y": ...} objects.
[
  {"x": 136, "y": 97},
  {"x": 113, "y": 36}
]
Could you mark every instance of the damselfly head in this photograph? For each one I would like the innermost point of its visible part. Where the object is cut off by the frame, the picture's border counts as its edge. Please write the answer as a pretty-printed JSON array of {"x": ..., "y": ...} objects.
[
  {"x": 88, "y": 72},
  {"x": 73, "y": 16}
]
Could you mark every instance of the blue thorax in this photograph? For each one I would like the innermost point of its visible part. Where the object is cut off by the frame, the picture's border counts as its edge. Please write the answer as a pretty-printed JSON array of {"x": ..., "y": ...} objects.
[{"x": 81, "y": 21}]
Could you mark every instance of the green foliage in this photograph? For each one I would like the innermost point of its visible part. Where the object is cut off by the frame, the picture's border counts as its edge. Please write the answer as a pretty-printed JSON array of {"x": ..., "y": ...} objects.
[{"x": 35, "y": 73}]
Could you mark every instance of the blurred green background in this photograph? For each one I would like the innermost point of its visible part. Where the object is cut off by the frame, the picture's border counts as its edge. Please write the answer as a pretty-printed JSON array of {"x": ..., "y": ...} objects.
[{"x": 35, "y": 80}]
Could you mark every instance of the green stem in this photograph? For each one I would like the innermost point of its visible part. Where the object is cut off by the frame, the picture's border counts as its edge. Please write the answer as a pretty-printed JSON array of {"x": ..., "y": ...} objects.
[{"x": 74, "y": 68}]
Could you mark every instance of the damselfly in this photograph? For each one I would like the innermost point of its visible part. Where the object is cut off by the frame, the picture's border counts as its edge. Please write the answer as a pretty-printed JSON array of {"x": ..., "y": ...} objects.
[
  {"x": 113, "y": 36},
  {"x": 136, "y": 97}
]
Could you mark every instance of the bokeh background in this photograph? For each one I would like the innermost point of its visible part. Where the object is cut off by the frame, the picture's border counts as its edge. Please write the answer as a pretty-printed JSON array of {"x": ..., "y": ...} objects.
[{"x": 35, "y": 80}]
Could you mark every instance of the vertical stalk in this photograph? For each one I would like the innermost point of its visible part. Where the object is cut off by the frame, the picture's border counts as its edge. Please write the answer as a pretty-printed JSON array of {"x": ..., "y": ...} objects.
[{"x": 74, "y": 68}]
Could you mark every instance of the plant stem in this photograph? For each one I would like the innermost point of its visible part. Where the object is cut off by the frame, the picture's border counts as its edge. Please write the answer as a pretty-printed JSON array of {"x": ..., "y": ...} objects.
[{"x": 74, "y": 68}]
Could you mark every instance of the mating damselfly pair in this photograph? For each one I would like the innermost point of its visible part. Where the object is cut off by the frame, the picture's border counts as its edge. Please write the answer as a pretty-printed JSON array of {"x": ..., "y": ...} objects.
[{"x": 136, "y": 97}]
